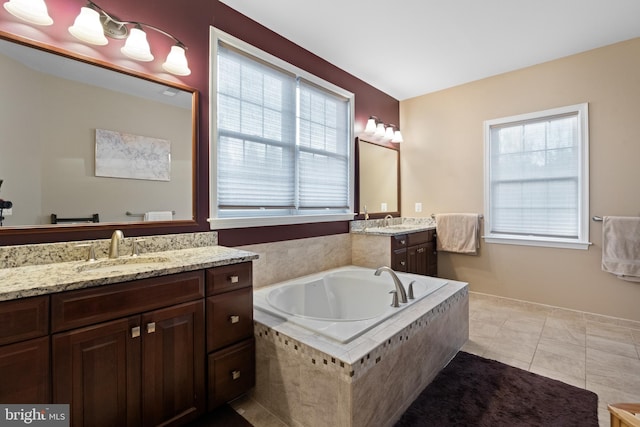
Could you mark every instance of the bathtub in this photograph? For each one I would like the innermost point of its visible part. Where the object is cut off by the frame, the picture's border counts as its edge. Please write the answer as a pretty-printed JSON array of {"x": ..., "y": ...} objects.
[{"x": 342, "y": 303}]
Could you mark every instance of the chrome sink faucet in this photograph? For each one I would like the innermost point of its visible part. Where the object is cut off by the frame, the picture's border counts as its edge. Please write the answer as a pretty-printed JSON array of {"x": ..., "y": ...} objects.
[
  {"x": 114, "y": 247},
  {"x": 387, "y": 220},
  {"x": 402, "y": 294}
]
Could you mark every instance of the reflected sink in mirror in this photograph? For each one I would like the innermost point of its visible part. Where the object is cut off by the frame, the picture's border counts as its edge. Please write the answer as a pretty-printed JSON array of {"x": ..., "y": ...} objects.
[{"x": 122, "y": 264}]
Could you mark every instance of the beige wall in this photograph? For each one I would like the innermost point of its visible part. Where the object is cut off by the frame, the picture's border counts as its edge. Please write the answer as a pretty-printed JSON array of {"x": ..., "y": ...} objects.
[{"x": 442, "y": 167}]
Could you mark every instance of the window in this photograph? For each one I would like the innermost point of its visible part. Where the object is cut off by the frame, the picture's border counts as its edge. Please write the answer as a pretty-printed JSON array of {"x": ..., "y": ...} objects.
[
  {"x": 536, "y": 178},
  {"x": 281, "y": 141}
]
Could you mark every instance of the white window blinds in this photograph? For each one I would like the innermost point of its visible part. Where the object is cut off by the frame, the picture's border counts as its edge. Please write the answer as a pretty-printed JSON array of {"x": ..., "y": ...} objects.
[
  {"x": 537, "y": 175},
  {"x": 283, "y": 143}
]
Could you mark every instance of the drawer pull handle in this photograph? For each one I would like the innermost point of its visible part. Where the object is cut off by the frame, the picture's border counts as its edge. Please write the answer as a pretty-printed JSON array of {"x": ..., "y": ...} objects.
[
  {"x": 135, "y": 332},
  {"x": 235, "y": 375},
  {"x": 421, "y": 250},
  {"x": 234, "y": 319},
  {"x": 151, "y": 327},
  {"x": 234, "y": 279}
]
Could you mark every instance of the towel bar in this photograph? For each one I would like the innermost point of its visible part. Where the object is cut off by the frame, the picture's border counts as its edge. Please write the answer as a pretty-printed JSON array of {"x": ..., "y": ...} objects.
[
  {"x": 142, "y": 214},
  {"x": 479, "y": 216}
]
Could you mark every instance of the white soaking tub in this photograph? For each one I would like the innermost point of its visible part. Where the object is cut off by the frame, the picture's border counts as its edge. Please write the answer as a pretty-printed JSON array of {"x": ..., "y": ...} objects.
[{"x": 342, "y": 303}]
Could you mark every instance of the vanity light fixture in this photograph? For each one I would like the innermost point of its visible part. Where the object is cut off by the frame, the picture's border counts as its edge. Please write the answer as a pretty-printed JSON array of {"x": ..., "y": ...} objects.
[
  {"x": 31, "y": 11},
  {"x": 136, "y": 45},
  {"x": 376, "y": 128},
  {"x": 94, "y": 23}
]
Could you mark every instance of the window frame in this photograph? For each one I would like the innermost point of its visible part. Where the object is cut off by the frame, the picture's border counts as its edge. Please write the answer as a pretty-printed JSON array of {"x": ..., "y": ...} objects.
[
  {"x": 215, "y": 222},
  {"x": 582, "y": 240}
]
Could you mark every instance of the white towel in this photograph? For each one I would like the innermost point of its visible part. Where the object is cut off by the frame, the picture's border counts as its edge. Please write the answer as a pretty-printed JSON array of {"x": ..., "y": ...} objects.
[
  {"x": 458, "y": 233},
  {"x": 158, "y": 216},
  {"x": 621, "y": 247}
]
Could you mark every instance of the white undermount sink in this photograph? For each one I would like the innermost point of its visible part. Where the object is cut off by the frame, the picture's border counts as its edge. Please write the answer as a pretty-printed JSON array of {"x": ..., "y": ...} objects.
[{"x": 122, "y": 264}]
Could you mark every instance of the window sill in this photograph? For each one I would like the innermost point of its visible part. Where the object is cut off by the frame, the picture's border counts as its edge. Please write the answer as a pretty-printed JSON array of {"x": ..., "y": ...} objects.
[
  {"x": 229, "y": 223},
  {"x": 538, "y": 241}
]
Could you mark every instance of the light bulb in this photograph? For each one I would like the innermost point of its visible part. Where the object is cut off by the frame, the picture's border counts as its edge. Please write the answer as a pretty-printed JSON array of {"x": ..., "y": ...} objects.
[
  {"x": 176, "y": 62},
  {"x": 88, "y": 28},
  {"x": 32, "y": 11},
  {"x": 136, "y": 47}
]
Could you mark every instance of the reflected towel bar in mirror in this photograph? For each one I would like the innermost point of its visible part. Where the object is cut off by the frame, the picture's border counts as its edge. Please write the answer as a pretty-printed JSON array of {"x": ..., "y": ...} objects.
[{"x": 142, "y": 214}]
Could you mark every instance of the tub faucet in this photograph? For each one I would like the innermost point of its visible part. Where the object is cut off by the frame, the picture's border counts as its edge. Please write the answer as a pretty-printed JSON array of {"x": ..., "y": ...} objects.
[
  {"x": 402, "y": 294},
  {"x": 114, "y": 247}
]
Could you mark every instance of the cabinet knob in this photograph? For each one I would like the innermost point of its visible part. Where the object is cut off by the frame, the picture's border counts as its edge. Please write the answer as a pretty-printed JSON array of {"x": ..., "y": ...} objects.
[
  {"x": 235, "y": 375},
  {"x": 234, "y": 319},
  {"x": 151, "y": 327},
  {"x": 234, "y": 279},
  {"x": 402, "y": 242},
  {"x": 135, "y": 332},
  {"x": 403, "y": 263}
]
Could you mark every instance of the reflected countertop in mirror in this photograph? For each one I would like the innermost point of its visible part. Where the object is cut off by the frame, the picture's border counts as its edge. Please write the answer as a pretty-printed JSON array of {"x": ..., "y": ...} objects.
[{"x": 53, "y": 107}]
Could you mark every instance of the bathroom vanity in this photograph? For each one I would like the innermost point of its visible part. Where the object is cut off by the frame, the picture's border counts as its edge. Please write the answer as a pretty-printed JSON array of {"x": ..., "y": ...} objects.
[
  {"x": 145, "y": 343},
  {"x": 405, "y": 247}
]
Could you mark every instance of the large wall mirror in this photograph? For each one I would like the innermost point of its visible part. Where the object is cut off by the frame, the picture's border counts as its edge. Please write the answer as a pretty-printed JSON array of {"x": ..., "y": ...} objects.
[
  {"x": 378, "y": 179},
  {"x": 79, "y": 139}
]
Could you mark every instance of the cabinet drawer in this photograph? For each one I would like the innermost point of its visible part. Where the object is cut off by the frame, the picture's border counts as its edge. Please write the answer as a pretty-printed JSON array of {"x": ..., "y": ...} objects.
[
  {"x": 229, "y": 278},
  {"x": 87, "y": 306},
  {"x": 24, "y": 319},
  {"x": 399, "y": 260},
  {"x": 229, "y": 318},
  {"x": 398, "y": 242},
  {"x": 232, "y": 372},
  {"x": 420, "y": 237}
]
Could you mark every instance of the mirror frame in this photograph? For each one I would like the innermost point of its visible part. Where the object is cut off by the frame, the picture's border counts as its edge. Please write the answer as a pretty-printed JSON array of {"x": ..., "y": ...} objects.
[
  {"x": 375, "y": 215},
  {"x": 19, "y": 235}
]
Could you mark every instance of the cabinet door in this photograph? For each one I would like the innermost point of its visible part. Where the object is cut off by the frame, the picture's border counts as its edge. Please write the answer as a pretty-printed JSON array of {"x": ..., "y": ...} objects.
[
  {"x": 417, "y": 259},
  {"x": 173, "y": 360},
  {"x": 24, "y": 369},
  {"x": 432, "y": 259},
  {"x": 97, "y": 371}
]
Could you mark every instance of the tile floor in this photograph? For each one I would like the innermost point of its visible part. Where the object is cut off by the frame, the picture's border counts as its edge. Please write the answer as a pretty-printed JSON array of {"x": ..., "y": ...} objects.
[{"x": 598, "y": 353}]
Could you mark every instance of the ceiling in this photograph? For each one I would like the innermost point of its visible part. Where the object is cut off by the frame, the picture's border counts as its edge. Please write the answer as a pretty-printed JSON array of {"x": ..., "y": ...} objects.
[{"x": 412, "y": 47}]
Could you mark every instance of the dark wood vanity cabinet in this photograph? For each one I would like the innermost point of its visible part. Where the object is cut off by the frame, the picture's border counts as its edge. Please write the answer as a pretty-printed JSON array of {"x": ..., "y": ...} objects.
[
  {"x": 415, "y": 253},
  {"x": 230, "y": 342},
  {"x": 131, "y": 354},
  {"x": 24, "y": 351}
]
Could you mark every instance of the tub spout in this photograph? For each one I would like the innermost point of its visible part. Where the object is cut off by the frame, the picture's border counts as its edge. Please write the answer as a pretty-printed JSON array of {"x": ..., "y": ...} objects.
[{"x": 402, "y": 294}]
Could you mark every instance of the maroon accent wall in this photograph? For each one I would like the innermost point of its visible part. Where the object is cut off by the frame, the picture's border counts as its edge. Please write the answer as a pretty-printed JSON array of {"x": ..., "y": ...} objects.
[{"x": 189, "y": 21}]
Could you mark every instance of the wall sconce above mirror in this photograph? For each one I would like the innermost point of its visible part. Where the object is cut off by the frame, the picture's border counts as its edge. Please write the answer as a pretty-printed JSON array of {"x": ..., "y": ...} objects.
[
  {"x": 377, "y": 130},
  {"x": 94, "y": 24}
]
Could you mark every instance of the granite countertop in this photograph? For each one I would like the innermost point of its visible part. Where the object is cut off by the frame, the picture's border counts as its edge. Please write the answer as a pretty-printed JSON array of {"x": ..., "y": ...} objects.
[
  {"x": 395, "y": 226},
  {"x": 31, "y": 280}
]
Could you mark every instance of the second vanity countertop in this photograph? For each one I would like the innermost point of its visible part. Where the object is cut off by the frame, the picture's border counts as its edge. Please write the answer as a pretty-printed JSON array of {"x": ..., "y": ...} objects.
[
  {"x": 32, "y": 280},
  {"x": 396, "y": 226}
]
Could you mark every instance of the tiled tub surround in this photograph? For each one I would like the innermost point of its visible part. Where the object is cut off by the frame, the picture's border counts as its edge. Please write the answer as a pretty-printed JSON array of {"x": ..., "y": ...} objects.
[
  {"x": 308, "y": 380},
  {"x": 32, "y": 270}
]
